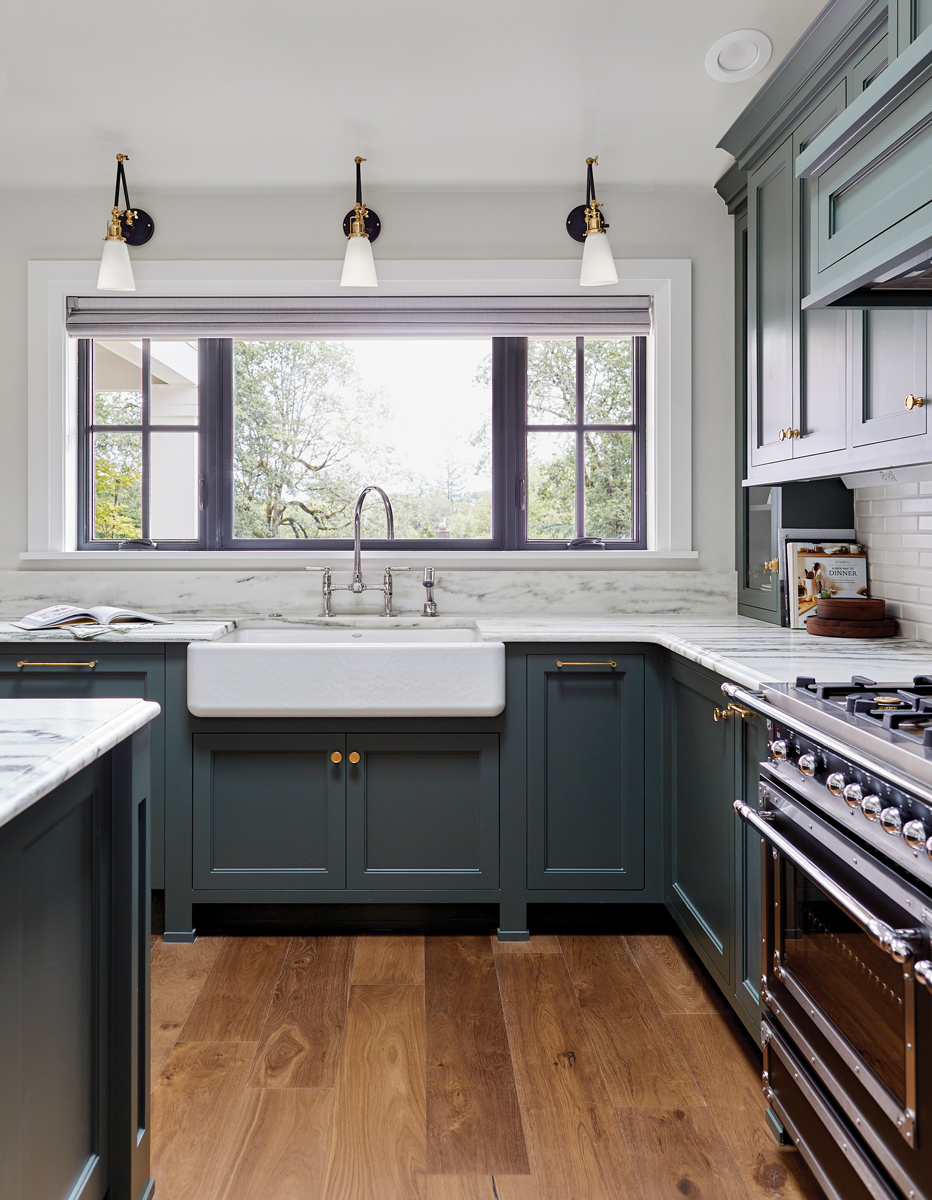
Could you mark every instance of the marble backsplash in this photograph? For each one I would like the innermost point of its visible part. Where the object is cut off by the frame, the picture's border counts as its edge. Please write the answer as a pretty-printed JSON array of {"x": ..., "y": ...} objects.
[{"x": 297, "y": 593}]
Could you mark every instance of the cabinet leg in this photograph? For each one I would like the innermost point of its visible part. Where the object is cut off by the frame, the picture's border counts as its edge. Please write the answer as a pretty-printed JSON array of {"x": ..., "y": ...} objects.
[
  {"x": 512, "y": 920},
  {"x": 179, "y": 922}
]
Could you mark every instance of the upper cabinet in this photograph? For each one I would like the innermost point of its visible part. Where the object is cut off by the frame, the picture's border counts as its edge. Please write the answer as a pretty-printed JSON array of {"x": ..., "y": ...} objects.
[{"x": 834, "y": 169}]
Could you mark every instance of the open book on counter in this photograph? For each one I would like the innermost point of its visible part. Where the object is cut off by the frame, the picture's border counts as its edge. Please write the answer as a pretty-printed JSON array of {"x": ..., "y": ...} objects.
[{"x": 68, "y": 614}]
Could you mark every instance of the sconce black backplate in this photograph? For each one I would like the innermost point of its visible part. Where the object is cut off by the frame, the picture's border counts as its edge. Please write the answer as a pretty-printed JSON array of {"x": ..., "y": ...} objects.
[
  {"x": 141, "y": 229},
  {"x": 576, "y": 223},
  {"x": 373, "y": 224}
]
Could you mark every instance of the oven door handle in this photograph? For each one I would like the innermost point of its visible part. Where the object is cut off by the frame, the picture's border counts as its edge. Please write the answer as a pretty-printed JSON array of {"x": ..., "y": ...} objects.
[{"x": 894, "y": 941}]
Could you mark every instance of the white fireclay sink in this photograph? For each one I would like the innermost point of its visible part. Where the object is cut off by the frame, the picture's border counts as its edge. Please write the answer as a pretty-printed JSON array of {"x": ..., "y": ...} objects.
[{"x": 309, "y": 671}]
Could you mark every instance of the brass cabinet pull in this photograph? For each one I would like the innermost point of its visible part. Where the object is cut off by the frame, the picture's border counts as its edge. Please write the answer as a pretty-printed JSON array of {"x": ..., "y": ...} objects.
[
  {"x": 354, "y": 757},
  {"x": 23, "y": 663},
  {"x": 722, "y": 714},
  {"x": 586, "y": 664},
  {"x": 336, "y": 757},
  {"x": 772, "y": 565},
  {"x": 788, "y": 433},
  {"x": 912, "y": 401}
]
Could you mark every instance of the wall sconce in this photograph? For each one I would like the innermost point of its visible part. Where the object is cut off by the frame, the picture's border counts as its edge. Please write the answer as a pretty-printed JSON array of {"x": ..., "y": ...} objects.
[
  {"x": 128, "y": 227},
  {"x": 586, "y": 225},
  {"x": 361, "y": 227}
]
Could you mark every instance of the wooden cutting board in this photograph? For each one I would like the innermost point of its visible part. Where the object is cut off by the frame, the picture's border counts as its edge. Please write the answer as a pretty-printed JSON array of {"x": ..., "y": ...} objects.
[
  {"x": 855, "y": 609},
  {"x": 852, "y": 629}
]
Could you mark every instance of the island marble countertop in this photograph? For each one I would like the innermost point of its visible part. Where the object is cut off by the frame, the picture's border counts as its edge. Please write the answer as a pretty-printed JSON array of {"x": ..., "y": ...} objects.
[
  {"x": 45, "y": 742},
  {"x": 749, "y": 652}
]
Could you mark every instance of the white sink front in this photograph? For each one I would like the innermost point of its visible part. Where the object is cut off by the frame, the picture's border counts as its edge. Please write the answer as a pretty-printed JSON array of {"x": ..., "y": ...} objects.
[{"x": 308, "y": 671}]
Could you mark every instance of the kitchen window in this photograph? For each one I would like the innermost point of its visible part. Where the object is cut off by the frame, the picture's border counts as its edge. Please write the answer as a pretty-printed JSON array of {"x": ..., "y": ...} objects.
[{"x": 482, "y": 442}]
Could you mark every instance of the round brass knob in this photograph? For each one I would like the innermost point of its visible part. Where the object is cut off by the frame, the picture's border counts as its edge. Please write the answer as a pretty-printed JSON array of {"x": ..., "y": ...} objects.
[
  {"x": 782, "y": 435},
  {"x": 721, "y": 714},
  {"x": 792, "y": 433},
  {"x": 336, "y": 756},
  {"x": 354, "y": 757},
  {"x": 912, "y": 401},
  {"x": 772, "y": 564}
]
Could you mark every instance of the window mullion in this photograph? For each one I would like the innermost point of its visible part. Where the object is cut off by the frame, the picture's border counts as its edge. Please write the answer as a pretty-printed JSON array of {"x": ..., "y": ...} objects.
[
  {"x": 580, "y": 437},
  {"x": 146, "y": 414}
]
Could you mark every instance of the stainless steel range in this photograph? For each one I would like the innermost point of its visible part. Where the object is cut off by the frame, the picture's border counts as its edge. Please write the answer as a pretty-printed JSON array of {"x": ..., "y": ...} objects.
[{"x": 845, "y": 818}]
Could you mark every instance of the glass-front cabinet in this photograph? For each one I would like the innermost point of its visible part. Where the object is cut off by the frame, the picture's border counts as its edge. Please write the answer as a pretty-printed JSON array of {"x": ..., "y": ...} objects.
[{"x": 759, "y": 568}]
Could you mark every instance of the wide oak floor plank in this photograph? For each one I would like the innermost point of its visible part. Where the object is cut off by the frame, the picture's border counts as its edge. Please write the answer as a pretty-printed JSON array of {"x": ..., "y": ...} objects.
[
  {"x": 539, "y": 943},
  {"x": 194, "y": 1105},
  {"x": 459, "y": 1187},
  {"x": 178, "y": 974},
  {"x": 640, "y": 1059},
  {"x": 232, "y": 1004},
  {"x": 728, "y": 1071},
  {"x": 278, "y": 1145},
  {"x": 389, "y": 958},
  {"x": 303, "y": 1031},
  {"x": 379, "y": 1131},
  {"x": 473, "y": 1119},
  {"x": 679, "y": 1152},
  {"x": 673, "y": 976},
  {"x": 575, "y": 1148}
]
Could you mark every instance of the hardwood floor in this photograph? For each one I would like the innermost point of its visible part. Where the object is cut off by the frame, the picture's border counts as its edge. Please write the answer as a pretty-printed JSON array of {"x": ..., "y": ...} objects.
[{"x": 454, "y": 1068}]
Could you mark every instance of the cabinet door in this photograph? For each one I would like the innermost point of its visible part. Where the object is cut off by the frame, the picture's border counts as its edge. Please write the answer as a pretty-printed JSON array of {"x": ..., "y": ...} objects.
[
  {"x": 117, "y": 675},
  {"x": 268, "y": 811},
  {"x": 701, "y": 758},
  {"x": 422, "y": 811},
  {"x": 585, "y": 771},
  {"x": 771, "y": 308},
  {"x": 752, "y": 737},
  {"x": 820, "y": 342},
  {"x": 888, "y": 363}
]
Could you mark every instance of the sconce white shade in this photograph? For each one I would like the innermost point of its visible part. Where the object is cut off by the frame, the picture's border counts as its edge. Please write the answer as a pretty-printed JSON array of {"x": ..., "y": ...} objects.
[
  {"x": 359, "y": 265},
  {"x": 116, "y": 272},
  {"x": 598, "y": 266}
]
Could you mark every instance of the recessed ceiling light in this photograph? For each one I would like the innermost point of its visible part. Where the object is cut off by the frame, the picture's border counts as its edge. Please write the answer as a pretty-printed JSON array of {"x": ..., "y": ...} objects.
[{"x": 739, "y": 55}]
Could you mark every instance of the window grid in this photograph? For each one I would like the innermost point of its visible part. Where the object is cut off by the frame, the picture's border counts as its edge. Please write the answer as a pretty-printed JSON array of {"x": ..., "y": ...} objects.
[{"x": 510, "y": 430}]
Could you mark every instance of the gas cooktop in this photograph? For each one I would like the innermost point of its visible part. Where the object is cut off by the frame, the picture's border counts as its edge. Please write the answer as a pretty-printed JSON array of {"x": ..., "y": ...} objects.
[{"x": 892, "y": 722}]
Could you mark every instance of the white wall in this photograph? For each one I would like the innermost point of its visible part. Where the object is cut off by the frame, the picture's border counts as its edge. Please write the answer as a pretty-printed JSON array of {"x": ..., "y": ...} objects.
[
  {"x": 681, "y": 223},
  {"x": 894, "y": 521}
]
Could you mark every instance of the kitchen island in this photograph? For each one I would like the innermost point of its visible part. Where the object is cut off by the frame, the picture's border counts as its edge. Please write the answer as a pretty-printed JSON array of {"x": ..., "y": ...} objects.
[{"x": 74, "y": 946}]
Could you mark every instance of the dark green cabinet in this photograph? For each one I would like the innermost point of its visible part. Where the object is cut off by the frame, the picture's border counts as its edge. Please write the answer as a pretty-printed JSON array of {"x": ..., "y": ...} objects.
[
  {"x": 44, "y": 670},
  {"x": 713, "y": 866},
  {"x": 585, "y": 771},
  {"x": 269, "y": 811},
  {"x": 422, "y": 811},
  {"x": 74, "y": 987}
]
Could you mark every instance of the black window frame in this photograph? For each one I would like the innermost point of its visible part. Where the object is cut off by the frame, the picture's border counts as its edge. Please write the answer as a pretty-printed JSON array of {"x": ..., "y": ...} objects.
[{"x": 508, "y": 457}]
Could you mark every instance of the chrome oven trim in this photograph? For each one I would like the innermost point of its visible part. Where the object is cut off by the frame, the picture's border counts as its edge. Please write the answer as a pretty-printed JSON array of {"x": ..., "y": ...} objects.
[
  {"x": 903, "y": 1117},
  {"x": 770, "y": 1037}
]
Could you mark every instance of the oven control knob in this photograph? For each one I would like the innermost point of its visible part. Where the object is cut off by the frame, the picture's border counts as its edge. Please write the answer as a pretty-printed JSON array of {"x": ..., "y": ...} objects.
[
  {"x": 835, "y": 783},
  {"x": 872, "y": 807},
  {"x": 914, "y": 833},
  {"x": 807, "y": 764},
  {"x": 778, "y": 750},
  {"x": 891, "y": 820},
  {"x": 853, "y": 795}
]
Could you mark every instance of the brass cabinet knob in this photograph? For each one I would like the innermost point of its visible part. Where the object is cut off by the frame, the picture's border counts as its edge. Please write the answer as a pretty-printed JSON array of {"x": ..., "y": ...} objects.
[
  {"x": 912, "y": 401},
  {"x": 336, "y": 757},
  {"x": 721, "y": 714},
  {"x": 788, "y": 433},
  {"x": 792, "y": 433},
  {"x": 782, "y": 435},
  {"x": 772, "y": 565},
  {"x": 354, "y": 757}
]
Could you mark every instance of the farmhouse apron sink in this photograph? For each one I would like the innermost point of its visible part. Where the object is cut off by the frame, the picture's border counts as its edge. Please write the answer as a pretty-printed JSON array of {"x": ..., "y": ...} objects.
[{"x": 288, "y": 671}]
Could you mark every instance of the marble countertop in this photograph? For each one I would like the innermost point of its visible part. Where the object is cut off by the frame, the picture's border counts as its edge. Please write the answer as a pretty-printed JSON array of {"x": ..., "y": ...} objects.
[
  {"x": 45, "y": 742},
  {"x": 174, "y": 631},
  {"x": 749, "y": 652}
]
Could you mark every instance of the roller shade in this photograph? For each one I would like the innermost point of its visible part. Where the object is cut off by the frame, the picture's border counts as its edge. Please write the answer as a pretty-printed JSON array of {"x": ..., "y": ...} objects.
[{"x": 357, "y": 316}]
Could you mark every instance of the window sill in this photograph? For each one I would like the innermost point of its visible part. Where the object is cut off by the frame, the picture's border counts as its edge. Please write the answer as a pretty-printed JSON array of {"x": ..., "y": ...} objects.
[{"x": 297, "y": 560}]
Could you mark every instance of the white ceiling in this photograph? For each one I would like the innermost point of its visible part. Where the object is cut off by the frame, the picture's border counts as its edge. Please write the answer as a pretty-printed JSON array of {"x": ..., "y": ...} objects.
[{"x": 473, "y": 94}]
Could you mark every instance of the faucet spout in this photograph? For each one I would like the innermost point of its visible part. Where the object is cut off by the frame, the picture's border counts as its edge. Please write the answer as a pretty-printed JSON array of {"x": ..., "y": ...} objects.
[{"x": 357, "y": 584}]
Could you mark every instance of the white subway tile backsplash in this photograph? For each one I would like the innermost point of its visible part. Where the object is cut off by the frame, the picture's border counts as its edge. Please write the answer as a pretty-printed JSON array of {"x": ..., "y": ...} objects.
[{"x": 895, "y": 524}]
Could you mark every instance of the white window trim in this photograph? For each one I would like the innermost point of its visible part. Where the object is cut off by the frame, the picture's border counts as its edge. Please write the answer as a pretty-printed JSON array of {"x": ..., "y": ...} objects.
[{"x": 52, "y": 444}]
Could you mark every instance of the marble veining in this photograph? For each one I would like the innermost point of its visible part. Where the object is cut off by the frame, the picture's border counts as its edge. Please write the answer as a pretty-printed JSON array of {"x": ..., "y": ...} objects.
[
  {"x": 45, "y": 742},
  {"x": 177, "y": 631}
]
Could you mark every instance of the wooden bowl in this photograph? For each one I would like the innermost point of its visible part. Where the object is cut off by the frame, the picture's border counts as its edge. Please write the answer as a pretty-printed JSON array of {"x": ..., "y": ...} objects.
[{"x": 858, "y": 608}]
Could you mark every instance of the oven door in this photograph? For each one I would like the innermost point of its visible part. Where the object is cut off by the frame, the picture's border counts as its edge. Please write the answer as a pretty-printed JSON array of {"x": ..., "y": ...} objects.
[{"x": 842, "y": 933}]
